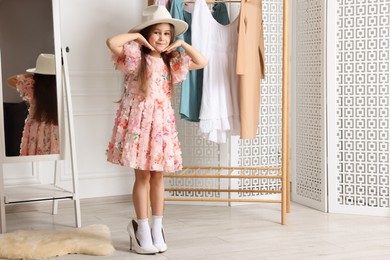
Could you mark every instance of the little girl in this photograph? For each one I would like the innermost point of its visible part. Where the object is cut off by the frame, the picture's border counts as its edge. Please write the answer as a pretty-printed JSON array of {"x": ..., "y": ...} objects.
[
  {"x": 144, "y": 135},
  {"x": 38, "y": 89}
]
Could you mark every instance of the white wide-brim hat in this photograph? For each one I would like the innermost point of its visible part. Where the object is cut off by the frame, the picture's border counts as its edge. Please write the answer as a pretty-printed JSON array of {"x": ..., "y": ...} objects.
[
  {"x": 155, "y": 14},
  {"x": 45, "y": 64}
]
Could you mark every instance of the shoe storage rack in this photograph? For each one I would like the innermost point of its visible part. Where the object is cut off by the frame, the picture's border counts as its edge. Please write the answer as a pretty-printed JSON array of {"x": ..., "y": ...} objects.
[{"x": 281, "y": 174}]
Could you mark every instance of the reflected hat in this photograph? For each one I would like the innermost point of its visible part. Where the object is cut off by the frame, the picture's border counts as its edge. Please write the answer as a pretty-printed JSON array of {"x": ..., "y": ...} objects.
[
  {"x": 155, "y": 14},
  {"x": 46, "y": 64}
]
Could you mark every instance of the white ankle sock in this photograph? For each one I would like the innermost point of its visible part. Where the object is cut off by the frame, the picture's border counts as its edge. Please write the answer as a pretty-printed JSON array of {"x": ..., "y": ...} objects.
[
  {"x": 157, "y": 230},
  {"x": 143, "y": 233}
]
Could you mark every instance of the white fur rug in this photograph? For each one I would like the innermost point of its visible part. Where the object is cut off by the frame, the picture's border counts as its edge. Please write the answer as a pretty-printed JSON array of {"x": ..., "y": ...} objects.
[{"x": 41, "y": 244}]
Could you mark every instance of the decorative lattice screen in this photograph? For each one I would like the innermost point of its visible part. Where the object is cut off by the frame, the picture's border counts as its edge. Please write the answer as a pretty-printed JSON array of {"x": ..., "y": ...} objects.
[
  {"x": 308, "y": 153},
  {"x": 363, "y": 104}
]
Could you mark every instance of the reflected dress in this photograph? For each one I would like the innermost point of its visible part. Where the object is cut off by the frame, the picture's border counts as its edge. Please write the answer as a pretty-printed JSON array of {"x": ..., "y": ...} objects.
[
  {"x": 38, "y": 138},
  {"x": 144, "y": 134}
]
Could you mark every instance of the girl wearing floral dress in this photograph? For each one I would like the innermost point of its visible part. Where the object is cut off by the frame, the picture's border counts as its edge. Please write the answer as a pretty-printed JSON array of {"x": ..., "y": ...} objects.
[
  {"x": 144, "y": 134},
  {"x": 38, "y": 89}
]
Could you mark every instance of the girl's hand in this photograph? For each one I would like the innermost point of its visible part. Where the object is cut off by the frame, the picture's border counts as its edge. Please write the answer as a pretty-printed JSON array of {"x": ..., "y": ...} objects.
[
  {"x": 141, "y": 40},
  {"x": 173, "y": 46},
  {"x": 116, "y": 42},
  {"x": 11, "y": 81}
]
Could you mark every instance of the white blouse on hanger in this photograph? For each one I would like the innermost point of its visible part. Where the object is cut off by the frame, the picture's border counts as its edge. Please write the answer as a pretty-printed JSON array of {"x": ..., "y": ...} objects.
[{"x": 219, "y": 113}]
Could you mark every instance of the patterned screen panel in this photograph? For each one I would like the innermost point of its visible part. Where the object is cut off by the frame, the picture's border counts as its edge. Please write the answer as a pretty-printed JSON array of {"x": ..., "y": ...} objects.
[
  {"x": 309, "y": 95},
  {"x": 363, "y": 103}
]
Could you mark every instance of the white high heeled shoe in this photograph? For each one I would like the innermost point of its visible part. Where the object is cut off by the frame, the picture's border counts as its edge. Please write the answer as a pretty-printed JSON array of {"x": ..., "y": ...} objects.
[
  {"x": 143, "y": 250},
  {"x": 162, "y": 247}
]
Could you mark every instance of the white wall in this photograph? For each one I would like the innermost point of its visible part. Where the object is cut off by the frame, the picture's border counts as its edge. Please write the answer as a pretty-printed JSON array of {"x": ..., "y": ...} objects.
[{"x": 95, "y": 86}]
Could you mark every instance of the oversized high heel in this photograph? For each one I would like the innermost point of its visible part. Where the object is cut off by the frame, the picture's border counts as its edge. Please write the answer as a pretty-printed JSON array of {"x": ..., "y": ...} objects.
[
  {"x": 162, "y": 247},
  {"x": 143, "y": 250}
]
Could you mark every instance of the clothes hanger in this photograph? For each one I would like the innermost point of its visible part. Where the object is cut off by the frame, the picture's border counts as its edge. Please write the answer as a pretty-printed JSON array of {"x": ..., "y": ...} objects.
[{"x": 213, "y": 1}]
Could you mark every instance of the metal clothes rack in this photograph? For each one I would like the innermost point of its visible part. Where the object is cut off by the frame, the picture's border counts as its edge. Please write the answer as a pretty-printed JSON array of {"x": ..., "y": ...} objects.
[{"x": 283, "y": 174}]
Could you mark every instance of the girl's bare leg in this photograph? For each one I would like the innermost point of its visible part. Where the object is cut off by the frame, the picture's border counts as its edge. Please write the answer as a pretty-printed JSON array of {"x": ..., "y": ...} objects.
[
  {"x": 140, "y": 193},
  {"x": 157, "y": 204},
  {"x": 157, "y": 193},
  {"x": 141, "y": 230}
]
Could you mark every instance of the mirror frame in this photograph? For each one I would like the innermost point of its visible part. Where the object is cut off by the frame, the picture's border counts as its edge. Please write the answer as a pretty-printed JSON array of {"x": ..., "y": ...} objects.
[{"x": 60, "y": 102}]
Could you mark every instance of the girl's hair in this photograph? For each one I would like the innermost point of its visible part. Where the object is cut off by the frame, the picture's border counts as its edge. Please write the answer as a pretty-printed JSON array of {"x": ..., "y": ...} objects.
[
  {"x": 143, "y": 74},
  {"x": 45, "y": 95},
  {"x": 168, "y": 4}
]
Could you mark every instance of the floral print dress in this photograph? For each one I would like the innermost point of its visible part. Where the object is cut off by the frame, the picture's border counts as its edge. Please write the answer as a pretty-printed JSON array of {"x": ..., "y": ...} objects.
[
  {"x": 144, "y": 135},
  {"x": 38, "y": 138}
]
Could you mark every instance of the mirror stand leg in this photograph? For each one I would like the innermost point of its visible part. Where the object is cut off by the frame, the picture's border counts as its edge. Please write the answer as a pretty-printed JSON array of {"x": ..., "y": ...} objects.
[
  {"x": 76, "y": 198},
  {"x": 56, "y": 181},
  {"x": 2, "y": 215},
  {"x": 2, "y": 202},
  {"x": 77, "y": 212}
]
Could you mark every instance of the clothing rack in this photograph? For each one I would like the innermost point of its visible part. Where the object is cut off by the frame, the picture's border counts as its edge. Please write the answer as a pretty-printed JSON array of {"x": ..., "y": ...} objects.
[
  {"x": 213, "y": 1},
  {"x": 283, "y": 174},
  {"x": 151, "y": 2}
]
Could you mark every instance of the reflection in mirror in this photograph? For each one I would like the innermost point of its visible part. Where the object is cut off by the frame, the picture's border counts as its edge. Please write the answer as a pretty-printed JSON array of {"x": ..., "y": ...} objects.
[
  {"x": 38, "y": 89},
  {"x": 29, "y": 95}
]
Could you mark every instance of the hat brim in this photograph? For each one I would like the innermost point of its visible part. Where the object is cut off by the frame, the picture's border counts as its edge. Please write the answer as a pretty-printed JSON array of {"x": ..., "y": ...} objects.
[
  {"x": 180, "y": 26},
  {"x": 35, "y": 71}
]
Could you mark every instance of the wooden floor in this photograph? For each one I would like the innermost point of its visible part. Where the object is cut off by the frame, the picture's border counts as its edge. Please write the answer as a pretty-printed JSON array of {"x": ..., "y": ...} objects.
[{"x": 227, "y": 233}]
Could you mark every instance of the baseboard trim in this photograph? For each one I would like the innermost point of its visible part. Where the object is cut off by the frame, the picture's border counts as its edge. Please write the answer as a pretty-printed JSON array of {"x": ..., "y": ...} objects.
[{"x": 47, "y": 205}]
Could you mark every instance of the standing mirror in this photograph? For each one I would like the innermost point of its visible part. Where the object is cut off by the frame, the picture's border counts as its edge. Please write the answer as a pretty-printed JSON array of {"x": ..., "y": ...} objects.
[
  {"x": 33, "y": 107},
  {"x": 30, "y": 119}
]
